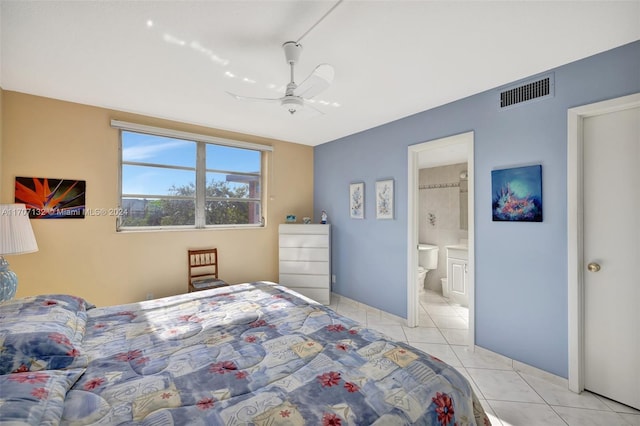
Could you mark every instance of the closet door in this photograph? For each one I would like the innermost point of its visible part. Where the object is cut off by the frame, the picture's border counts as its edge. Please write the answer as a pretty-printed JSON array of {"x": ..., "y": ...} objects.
[{"x": 611, "y": 147}]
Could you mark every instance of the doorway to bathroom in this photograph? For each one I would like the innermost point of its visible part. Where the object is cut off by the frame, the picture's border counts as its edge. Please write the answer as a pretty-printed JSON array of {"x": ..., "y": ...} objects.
[{"x": 442, "y": 168}]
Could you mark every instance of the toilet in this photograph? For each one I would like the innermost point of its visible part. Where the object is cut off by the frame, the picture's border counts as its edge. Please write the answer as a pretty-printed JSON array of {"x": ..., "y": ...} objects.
[{"x": 427, "y": 261}]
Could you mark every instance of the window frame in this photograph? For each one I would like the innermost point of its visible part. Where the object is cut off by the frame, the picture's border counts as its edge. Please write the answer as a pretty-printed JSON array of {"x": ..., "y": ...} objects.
[{"x": 200, "y": 199}]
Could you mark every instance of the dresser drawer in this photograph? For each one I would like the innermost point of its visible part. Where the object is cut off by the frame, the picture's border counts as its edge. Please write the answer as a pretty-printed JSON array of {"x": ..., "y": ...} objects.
[
  {"x": 304, "y": 229},
  {"x": 319, "y": 295},
  {"x": 310, "y": 268},
  {"x": 292, "y": 240},
  {"x": 308, "y": 281},
  {"x": 304, "y": 254}
]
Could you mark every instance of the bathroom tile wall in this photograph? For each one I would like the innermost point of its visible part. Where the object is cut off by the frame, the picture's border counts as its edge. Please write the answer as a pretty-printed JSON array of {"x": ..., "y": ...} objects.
[{"x": 439, "y": 219}]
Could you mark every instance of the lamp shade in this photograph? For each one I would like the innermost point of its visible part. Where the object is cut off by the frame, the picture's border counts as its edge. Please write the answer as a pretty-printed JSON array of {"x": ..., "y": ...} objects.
[{"x": 16, "y": 234}]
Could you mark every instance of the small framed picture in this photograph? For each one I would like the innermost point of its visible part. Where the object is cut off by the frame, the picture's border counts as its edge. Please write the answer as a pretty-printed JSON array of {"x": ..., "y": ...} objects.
[
  {"x": 384, "y": 199},
  {"x": 356, "y": 200}
]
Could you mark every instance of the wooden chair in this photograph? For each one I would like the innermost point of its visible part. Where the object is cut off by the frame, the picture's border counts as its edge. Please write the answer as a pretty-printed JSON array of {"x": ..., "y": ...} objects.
[{"x": 203, "y": 269}]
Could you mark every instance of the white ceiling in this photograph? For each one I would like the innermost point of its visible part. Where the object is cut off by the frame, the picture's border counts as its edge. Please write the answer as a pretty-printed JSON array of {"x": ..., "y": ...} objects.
[{"x": 392, "y": 58}]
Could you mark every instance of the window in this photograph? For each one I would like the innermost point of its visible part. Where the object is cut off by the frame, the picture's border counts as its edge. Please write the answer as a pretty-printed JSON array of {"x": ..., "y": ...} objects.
[{"x": 178, "y": 179}]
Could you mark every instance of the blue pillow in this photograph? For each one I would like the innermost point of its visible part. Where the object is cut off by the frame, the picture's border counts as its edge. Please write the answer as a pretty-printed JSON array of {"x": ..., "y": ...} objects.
[{"x": 42, "y": 333}]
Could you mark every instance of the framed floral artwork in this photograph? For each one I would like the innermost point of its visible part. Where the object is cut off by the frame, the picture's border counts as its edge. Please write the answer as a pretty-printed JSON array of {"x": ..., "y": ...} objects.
[
  {"x": 356, "y": 200},
  {"x": 47, "y": 198},
  {"x": 517, "y": 194},
  {"x": 384, "y": 199}
]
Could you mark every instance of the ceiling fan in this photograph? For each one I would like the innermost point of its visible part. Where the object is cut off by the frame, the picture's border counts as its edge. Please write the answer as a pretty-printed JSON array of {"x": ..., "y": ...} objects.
[{"x": 297, "y": 96}]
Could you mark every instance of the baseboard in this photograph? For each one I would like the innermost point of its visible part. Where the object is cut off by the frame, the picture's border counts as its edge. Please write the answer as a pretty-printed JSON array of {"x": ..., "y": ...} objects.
[
  {"x": 355, "y": 303},
  {"x": 528, "y": 369}
]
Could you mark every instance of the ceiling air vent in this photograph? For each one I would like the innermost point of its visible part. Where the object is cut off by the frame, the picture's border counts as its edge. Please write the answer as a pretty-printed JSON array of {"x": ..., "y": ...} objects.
[{"x": 525, "y": 92}]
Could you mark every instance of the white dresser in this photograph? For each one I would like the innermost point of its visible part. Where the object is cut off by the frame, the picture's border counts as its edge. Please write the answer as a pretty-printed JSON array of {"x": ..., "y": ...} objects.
[{"x": 305, "y": 260}]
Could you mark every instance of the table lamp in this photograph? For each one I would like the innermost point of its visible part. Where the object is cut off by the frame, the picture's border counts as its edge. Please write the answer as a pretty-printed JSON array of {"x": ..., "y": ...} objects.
[{"x": 16, "y": 237}]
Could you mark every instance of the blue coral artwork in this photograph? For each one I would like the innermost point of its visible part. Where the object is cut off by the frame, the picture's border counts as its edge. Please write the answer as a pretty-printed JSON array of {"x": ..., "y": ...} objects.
[{"x": 517, "y": 194}]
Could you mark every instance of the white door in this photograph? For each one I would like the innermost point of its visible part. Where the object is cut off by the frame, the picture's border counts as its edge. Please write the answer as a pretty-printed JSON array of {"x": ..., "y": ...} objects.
[{"x": 611, "y": 148}]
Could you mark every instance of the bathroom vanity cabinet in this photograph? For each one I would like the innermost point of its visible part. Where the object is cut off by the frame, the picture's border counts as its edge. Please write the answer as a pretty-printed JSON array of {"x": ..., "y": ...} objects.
[
  {"x": 305, "y": 260},
  {"x": 457, "y": 270}
]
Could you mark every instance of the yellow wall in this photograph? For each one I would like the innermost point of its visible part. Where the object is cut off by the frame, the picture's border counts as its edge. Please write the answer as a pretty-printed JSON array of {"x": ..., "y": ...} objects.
[
  {"x": 1, "y": 133},
  {"x": 50, "y": 138}
]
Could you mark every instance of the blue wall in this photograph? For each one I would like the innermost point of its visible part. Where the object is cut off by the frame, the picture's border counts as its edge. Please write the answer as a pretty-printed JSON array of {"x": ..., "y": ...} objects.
[{"x": 521, "y": 268}]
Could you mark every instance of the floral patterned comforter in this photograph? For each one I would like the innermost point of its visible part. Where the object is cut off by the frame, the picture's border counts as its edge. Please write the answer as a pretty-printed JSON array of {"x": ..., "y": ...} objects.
[{"x": 251, "y": 354}]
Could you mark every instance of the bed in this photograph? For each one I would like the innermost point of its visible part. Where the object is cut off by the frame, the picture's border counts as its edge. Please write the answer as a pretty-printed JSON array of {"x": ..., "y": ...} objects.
[{"x": 247, "y": 354}]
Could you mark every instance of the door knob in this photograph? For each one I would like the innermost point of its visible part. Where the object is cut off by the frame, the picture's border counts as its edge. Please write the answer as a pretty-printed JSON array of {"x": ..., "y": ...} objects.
[{"x": 593, "y": 267}]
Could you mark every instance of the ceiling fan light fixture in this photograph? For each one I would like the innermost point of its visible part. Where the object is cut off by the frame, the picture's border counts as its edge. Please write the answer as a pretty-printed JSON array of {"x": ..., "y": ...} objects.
[{"x": 292, "y": 103}]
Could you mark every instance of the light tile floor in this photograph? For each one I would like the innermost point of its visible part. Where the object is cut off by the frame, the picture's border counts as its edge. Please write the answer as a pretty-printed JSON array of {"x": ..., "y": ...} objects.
[{"x": 509, "y": 396}]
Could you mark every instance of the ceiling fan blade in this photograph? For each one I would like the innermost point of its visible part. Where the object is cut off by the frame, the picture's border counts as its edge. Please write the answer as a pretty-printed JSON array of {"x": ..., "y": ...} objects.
[
  {"x": 315, "y": 111},
  {"x": 249, "y": 98},
  {"x": 317, "y": 82}
]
